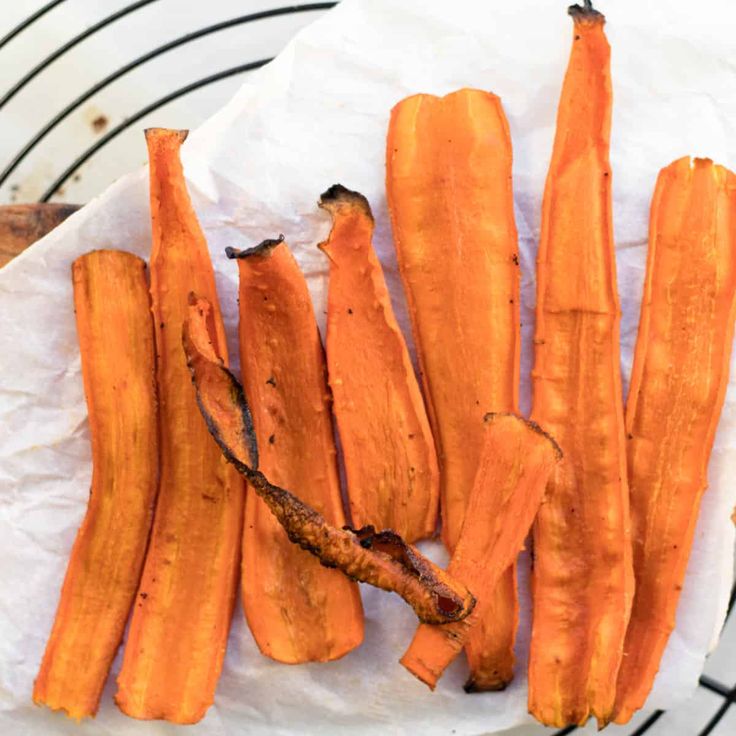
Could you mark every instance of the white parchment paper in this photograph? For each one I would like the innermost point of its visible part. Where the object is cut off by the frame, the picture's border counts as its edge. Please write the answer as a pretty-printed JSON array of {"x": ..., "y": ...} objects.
[{"x": 316, "y": 116}]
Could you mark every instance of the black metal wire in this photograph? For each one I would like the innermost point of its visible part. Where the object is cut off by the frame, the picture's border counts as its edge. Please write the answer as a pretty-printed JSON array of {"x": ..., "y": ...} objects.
[
  {"x": 715, "y": 720},
  {"x": 648, "y": 723},
  {"x": 566, "y": 730},
  {"x": 714, "y": 686},
  {"x": 92, "y": 150},
  {"x": 187, "y": 38},
  {"x": 29, "y": 21},
  {"x": 51, "y": 58},
  {"x": 731, "y": 601}
]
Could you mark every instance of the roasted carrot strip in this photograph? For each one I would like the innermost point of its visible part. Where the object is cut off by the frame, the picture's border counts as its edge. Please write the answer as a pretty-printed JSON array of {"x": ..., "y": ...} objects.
[
  {"x": 178, "y": 632},
  {"x": 582, "y": 579},
  {"x": 515, "y": 465},
  {"x": 390, "y": 460},
  {"x": 297, "y": 609},
  {"x": 678, "y": 383},
  {"x": 116, "y": 345},
  {"x": 381, "y": 559},
  {"x": 449, "y": 193}
]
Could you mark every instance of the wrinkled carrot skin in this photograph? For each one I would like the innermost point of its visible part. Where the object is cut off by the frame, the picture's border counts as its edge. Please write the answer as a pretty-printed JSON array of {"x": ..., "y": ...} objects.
[
  {"x": 178, "y": 631},
  {"x": 517, "y": 460},
  {"x": 448, "y": 183},
  {"x": 381, "y": 559},
  {"x": 387, "y": 445},
  {"x": 118, "y": 364},
  {"x": 678, "y": 383},
  {"x": 297, "y": 609},
  {"x": 582, "y": 580}
]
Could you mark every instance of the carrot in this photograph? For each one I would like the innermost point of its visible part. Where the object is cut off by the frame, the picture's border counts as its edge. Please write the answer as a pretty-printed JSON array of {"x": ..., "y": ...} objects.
[
  {"x": 178, "y": 631},
  {"x": 582, "y": 578},
  {"x": 116, "y": 346},
  {"x": 390, "y": 460},
  {"x": 297, "y": 610},
  {"x": 678, "y": 383},
  {"x": 448, "y": 182},
  {"x": 517, "y": 460},
  {"x": 381, "y": 559}
]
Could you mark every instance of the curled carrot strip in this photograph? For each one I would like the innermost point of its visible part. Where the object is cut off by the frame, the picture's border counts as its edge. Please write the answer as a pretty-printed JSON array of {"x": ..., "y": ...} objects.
[{"x": 381, "y": 559}]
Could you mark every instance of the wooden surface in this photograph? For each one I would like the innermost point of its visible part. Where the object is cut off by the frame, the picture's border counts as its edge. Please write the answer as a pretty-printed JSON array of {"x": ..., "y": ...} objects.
[{"x": 23, "y": 224}]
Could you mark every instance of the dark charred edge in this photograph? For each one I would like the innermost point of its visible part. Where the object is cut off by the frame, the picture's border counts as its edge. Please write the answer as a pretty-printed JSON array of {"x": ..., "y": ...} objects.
[
  {"x": 586, "y": 11},
  {"x": 263, "y": 248},
  {"x": 181, "y": 134},
  {"x": 449, "y": 603},
  {"x": 338, "y": 194},
  {"x": 471, "y": 687},
  {"x": 249, "y": 431},
  {"x": 529, "y": 423}
]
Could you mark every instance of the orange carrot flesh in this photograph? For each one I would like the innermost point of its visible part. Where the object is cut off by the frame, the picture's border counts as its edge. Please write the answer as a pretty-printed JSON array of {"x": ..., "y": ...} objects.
[
  {"x": 678, "y": 383},
  {"x": 178, "y": 631},
  {"x": 381, "y": 559},
  {"x": 297, "y": 609},
  {"x": 118, "y": 363},
  {"x": 582, "y": 580},
  {"x": 448, "y": 182},
  {"x": 515, "y": 465},
  {"x": 390, "y": 460}
]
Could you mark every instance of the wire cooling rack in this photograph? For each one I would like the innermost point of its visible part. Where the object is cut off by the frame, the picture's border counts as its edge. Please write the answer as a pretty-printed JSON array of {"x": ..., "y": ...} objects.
[
  {"x": 34, "y": 166},
  {"x": 45, "y": 58}
]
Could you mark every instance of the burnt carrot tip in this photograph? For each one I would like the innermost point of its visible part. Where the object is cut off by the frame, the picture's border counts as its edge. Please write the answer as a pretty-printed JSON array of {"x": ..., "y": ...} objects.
[
  {"x": 156, "y": 132},
  {"x": 471, "y": 687},
  {"x": 263, "y": 248},
  {"x": 337, "y": 194},
  {"x": 491, "y": 415},
  {"x": 585, "y": 12}
]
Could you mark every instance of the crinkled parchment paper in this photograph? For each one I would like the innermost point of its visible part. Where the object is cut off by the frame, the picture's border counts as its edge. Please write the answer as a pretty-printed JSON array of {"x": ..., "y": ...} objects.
[{"x": 316, "y": 116}]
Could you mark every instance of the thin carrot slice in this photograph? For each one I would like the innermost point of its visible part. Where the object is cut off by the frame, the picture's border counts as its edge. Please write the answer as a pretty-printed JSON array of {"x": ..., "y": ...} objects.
[
  {"x": 678, "y": 383},
  {"x": 390, "y": 460},
  {"x": 517, "y": 460},
  {"x": 448, "y": 182},
  {"x": 297, "y": 609},
  {"x": 118, "y": 363},
  {"x": 582, "y": 579},
  {"x": 381, "y": 559},
  {"x": 178, "y": 631}
]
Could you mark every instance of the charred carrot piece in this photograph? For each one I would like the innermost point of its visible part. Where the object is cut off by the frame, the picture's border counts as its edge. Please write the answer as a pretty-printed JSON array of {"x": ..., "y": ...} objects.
[
  {"x": 448, "y": 182},
  {"x": 390, "y": 460},
  {"x": 118, "y": 362},
  {"x": 178, "y": 631},
  {"x": 297, "y": 609},
  {"x": 678, "y": 383},
  {"x": 582, "y": 579},
  {"x": 517, "y": 460},
  {"x": 381, "y": 559}
]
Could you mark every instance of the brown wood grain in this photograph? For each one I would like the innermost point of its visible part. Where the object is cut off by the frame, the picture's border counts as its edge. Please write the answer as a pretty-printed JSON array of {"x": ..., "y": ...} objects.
[{"x": 24, "y": 224}]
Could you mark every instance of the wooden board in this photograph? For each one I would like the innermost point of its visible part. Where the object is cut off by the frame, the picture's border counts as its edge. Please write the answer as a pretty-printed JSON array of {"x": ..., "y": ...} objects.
[{"x": 24, "y": 224}]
